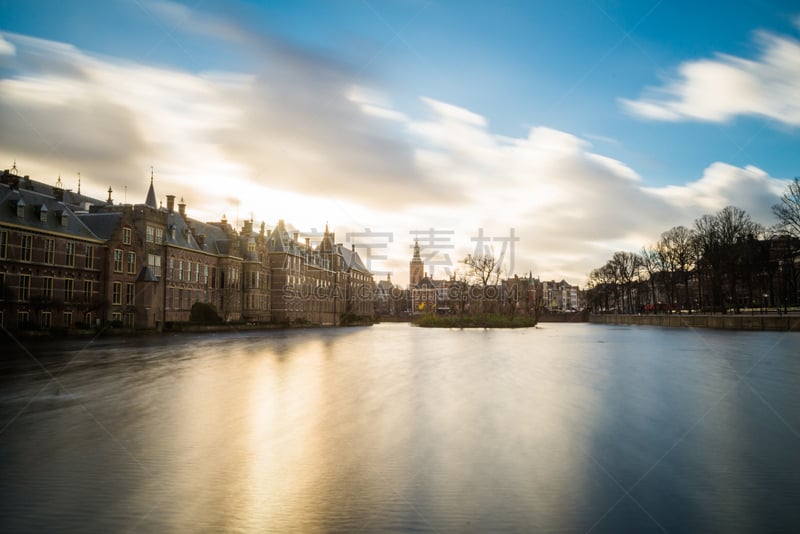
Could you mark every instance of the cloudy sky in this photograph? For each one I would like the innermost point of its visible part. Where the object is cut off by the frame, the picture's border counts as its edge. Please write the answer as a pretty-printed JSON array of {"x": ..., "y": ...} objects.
[{"x": 553, "y": 133}]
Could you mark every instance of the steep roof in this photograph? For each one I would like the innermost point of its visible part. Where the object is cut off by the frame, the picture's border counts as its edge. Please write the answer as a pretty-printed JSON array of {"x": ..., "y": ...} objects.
[
  {"x": 178, "y": 232},
  {"x": 280, "y": 240},
  {"x": 151, "y": 195},
  {"x": 59, "y": 219},
  {"x": 217, "y": 241},
  {"x": 103, "y": 225},
  {"x": 352, "y": 260}
]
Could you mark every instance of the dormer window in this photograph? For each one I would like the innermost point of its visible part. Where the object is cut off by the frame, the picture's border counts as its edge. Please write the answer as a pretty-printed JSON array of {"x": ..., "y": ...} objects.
[
  {"x": 43, "y": 214},
  {"x": 20, "y": 208},
  {"x": 64, "y": 218}
]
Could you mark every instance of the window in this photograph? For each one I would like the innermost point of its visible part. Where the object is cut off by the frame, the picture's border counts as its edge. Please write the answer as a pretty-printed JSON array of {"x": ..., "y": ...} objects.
[
  {"x": 70, "y": 255},
  {"x": 159, "y": 235},
  {"x": 22, "y": 318},
  {"x": 180, "y": 270},
  {"x": 171, "y": 270},
  {"x": 116, "y": 293},
  {"x": 126, "y": 236},
  {"x": 3, "y": 243},
  {"x": 69, "y": 289},
  {"x": 43, "y": 214},
  {"x": 205, "y": 275},
  {"x": 116, "y": 317},
  {"x": 26, "y": 247},
  {"x": 130, "y": 293},
  {"x": 197, "y": 271},
  {"x": 89, "y": 263},
  {"x": 24, "y": 287},
  {"x": 180, "y": 298},
  {"x": 131, "y": 262},
  {"x": 170, "y": 292},
  {"x": 154, "y": 262},
  {"x": 149, "y": 235},
  {"x": 188, "y": 271},
  {"x": 49, "y": 250},
  {"x": 47, "y": 289},
  {"x": 88, "y": 289},
  {"x": 47, "y": 319},
  {"x": 128, "y": 321},
  {"x": 20, "y": 208},
  {"x": 67, "y": 319},
  {"x": 117, "y": 260}
]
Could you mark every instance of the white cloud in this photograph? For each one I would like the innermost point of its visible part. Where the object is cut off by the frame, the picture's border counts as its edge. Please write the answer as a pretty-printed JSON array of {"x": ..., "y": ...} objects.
[
  {"x": 300, "y": 141},
  {"x": 722, "y": 184},
  {"x": 6, "y": 48},
  {"x": 722, "y": 88}
]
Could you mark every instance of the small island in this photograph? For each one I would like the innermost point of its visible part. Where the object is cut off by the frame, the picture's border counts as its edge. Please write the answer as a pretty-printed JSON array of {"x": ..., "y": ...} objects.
[{"x": 474, "y": 321}]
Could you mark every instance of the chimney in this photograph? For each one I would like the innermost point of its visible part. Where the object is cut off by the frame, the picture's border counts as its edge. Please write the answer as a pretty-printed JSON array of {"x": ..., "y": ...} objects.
[
  {"x": 170, "y": 203},
  {"x": 248, "y": 227},
  {"x": 182, "y": 208},
  {"x": 308, "y": 243},
  {"x": 296, "y": 236}
]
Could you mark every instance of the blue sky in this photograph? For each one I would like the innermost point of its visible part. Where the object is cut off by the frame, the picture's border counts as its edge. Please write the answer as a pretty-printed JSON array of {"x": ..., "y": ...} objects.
[{"x": 586, "y": 126}]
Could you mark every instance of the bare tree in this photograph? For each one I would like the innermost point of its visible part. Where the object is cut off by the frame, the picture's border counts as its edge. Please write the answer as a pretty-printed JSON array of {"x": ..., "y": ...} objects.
[
  {"x": 483, "y": 270},
  {"x": 788, "y": 209},
  {"x": 676, "y": 250},
  {"x": 652, "y": 266},
  {"x": 625, "y": 266},
  {"x": 721, "y": 240}
]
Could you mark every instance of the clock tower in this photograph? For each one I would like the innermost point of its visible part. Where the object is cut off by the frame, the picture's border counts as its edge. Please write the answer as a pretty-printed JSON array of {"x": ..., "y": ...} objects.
[{"x": 416, "y": 269}]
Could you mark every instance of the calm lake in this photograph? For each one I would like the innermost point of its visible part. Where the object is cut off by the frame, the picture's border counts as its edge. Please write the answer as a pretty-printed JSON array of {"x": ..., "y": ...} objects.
[{"x": 392, "y": 428}]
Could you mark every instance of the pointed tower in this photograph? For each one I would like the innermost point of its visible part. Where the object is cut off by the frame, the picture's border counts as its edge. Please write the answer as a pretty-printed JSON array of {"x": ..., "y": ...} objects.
[
  {"x": 416, "y": 269},
  {"x": 151, "y": 193}
]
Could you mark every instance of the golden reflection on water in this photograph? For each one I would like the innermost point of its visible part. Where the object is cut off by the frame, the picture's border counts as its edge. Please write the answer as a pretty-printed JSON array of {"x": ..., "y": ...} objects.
[{"x": 391, "y": 428}]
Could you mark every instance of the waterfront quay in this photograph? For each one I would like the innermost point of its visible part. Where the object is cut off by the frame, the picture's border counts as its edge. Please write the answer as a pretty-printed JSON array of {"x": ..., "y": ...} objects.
[{"x": 772, "y": 322}]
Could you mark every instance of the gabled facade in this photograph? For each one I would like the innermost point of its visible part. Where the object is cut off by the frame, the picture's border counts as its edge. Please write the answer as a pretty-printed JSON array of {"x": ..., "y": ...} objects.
[{"x": 67, "y": 260}]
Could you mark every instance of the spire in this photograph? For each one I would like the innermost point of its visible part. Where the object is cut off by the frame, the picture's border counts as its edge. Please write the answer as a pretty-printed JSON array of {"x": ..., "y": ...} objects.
[
  {"x": 79, "y": 183},
  {"x": 416, "y": 251},
  {"x": 109, "y": 195},
  {"x": 151, "y": 193}
]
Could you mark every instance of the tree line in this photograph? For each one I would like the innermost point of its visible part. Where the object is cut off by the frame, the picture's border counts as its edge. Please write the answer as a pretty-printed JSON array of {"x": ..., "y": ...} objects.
[{"x": 725, "y": 262}]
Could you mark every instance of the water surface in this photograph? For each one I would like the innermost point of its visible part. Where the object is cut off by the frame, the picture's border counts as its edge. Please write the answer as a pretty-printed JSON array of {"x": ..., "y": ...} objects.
[{"x": 562, "y": 428}]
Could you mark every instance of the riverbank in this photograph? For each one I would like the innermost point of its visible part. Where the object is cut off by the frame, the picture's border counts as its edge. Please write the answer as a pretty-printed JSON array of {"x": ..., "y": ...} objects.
[
  {"x": 175, "y": 328},
  {"x": 778, "y": 323}
]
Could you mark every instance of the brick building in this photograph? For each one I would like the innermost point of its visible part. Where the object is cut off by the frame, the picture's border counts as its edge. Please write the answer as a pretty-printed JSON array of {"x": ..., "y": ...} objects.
[{"x": 69, "y": 260}]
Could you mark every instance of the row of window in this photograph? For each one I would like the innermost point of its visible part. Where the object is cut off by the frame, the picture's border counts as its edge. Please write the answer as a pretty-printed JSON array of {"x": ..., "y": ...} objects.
[
  {"x": 154, "y": 235},
  {"x": 46, "y": 318},
  {"x": 24, "y": 288},
  {"x": 129, "y": 260},
  {"x": 127, "y": 319},
  {"x": 186, "y": 271},
  {"x": 116, "y": 293},
  {"x": 25, "y": 250},
  {"x": 182, "y": 299}
]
